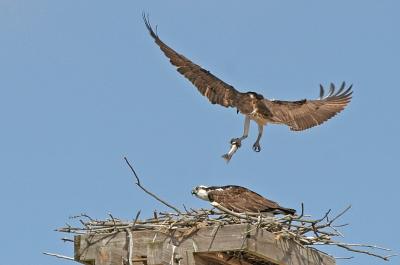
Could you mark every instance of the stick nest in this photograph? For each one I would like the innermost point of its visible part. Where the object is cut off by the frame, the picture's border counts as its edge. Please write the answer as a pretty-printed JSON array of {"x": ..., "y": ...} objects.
[{"x": 301, "y": 229}]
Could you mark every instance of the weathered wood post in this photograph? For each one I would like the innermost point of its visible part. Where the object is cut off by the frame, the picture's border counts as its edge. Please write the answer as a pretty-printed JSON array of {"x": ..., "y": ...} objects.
[{"x": 228, "y": 244}]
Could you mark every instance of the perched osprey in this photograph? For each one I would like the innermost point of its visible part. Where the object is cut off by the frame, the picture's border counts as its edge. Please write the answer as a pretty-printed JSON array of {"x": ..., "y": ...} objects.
[
  {"x": 298, "y": 115},
  {"x": 239, "y": 199}
]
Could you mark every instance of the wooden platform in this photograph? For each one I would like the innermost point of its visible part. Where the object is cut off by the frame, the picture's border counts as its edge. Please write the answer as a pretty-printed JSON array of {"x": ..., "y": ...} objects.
[{"x": 229, "y": 245}]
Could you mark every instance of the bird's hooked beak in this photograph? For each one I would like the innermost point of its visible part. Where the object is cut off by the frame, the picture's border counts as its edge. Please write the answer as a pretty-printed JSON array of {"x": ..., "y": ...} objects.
[{"x": 194, "y": 192}]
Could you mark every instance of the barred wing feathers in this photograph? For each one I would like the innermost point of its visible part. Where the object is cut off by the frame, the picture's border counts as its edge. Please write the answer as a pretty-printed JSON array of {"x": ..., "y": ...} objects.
[
  {"x": 216, "y": 90},
  {"x": 304, "y": 114},
  {"x": 240, "y": 199}
]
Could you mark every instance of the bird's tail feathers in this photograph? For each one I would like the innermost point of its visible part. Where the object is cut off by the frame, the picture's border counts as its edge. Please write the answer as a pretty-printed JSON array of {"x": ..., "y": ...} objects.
[{"x": 287, "y": 210}]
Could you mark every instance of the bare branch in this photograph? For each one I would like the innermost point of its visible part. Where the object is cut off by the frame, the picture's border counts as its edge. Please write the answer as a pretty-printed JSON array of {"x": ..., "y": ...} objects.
[
  {"x": 67, "y": 239},
  {"x": 136, "y": 218},
  {"x": 340, "y": 214},
  {"x": 366, "y": 252},
  {"x": 351, "y": 257},
  {"x": 112, "y": 218},
  {"x": 355, "y": 245},
  {"x": 149, "y": 192},
  {"x": 58, "y": 256}
]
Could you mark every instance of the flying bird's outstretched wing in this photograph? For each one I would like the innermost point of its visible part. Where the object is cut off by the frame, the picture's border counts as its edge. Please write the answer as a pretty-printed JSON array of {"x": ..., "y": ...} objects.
[
  {"x": 304, "y": 114},
  {"x": 216, "y": 90},
  {"x": 298, "y": 115}
]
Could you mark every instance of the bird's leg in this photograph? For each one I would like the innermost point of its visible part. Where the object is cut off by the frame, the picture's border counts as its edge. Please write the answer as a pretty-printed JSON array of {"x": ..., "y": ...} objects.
[
  {"x": 238, "y": 141},
  {"x": 256, "y": 145}
]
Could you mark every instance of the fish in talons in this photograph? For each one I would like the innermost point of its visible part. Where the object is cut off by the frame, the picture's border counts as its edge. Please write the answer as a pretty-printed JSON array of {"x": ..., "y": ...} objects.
[{"x": 235, "y": 145}]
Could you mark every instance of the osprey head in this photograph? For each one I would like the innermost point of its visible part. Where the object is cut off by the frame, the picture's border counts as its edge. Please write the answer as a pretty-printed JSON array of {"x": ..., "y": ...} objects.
[
  {"x": 255, "y": 95},
  {"x": 201, "y": 192}
]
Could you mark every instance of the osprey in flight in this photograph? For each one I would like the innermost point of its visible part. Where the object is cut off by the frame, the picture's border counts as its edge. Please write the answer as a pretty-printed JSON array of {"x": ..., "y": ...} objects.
[
  {"x": 239, "y": 199},
  {"x": 298, "y": 115}
]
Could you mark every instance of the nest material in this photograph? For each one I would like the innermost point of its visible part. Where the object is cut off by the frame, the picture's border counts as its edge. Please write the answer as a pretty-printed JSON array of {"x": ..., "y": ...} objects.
[{"x": 301, "y": 229}]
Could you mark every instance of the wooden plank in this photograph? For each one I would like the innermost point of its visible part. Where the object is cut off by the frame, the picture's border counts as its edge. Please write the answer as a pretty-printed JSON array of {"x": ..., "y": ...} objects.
[
  {"x": 155, "y": 252},
  {"x": 87, "y": 246},
  {"x": 159, "y": 248},
  {"x": 102, "y": 249},
  {"x": 220, "y": 258},
  {"x": 264, "y": 244},
  {"x": 256, "y": 242},
  {"x": 217, "y": 239}
]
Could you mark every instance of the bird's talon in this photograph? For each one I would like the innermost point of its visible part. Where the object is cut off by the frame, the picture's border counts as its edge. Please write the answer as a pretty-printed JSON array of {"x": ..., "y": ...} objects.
[
  {"x": 256, "y": 147},
  {"x": 236, "y": 141},
  {"x": 233, "y": 140}
]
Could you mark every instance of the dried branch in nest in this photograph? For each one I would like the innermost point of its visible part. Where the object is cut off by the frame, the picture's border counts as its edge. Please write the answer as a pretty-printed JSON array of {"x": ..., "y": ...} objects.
[
  {"x": 300, "y": 228},
  {"x": 58, "y": 256},
  {"x": 149, "y": 192}
]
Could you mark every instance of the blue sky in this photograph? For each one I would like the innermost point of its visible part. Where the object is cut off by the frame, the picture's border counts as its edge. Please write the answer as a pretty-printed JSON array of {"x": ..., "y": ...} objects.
[{"x": 82, "y": 85}]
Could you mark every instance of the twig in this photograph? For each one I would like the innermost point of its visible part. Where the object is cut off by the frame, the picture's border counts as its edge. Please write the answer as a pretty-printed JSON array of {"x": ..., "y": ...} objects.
[
  {"x": 130, "y": 249},
  {"x": 82, "y": 215},
  {"x": 246, "y": 236},
  {"x": 340, "y": 214},
  {"x": 351, "y": 257},
  {"x": 355, "y": 245},
  {"x": 148, "y": 192},
  {"x": 58, "y": 256},
  {"x": 184, "y": 207},
  {"x": 365, "y": 252},
  {"x": 136, "y": 218},
  {"x": 342, "y": 225},
  {"x": 112, "y": 218},
  {"x": 214, "y": 235}
]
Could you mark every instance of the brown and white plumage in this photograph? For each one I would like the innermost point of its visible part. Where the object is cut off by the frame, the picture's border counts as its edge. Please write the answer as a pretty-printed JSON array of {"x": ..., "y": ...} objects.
[
  {"x": 239, "y": 199},
  {"x": 298, "y": 115},
  {"x": 304, "y": 114}
]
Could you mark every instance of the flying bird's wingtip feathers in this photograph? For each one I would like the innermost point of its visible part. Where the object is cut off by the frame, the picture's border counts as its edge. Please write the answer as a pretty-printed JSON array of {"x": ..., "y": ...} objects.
[
  {"x": 340, "y": 89},
  {"x": 341, "y": 93},
  {"x": 321, "y": 91},
  {"x": 345, "y": 95},
  {"x": 350, "y": 91},
  {"x": 146, "y": 20},
  {"x": 316, "y": 112},
  {"x": 331, "y": 90}
]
